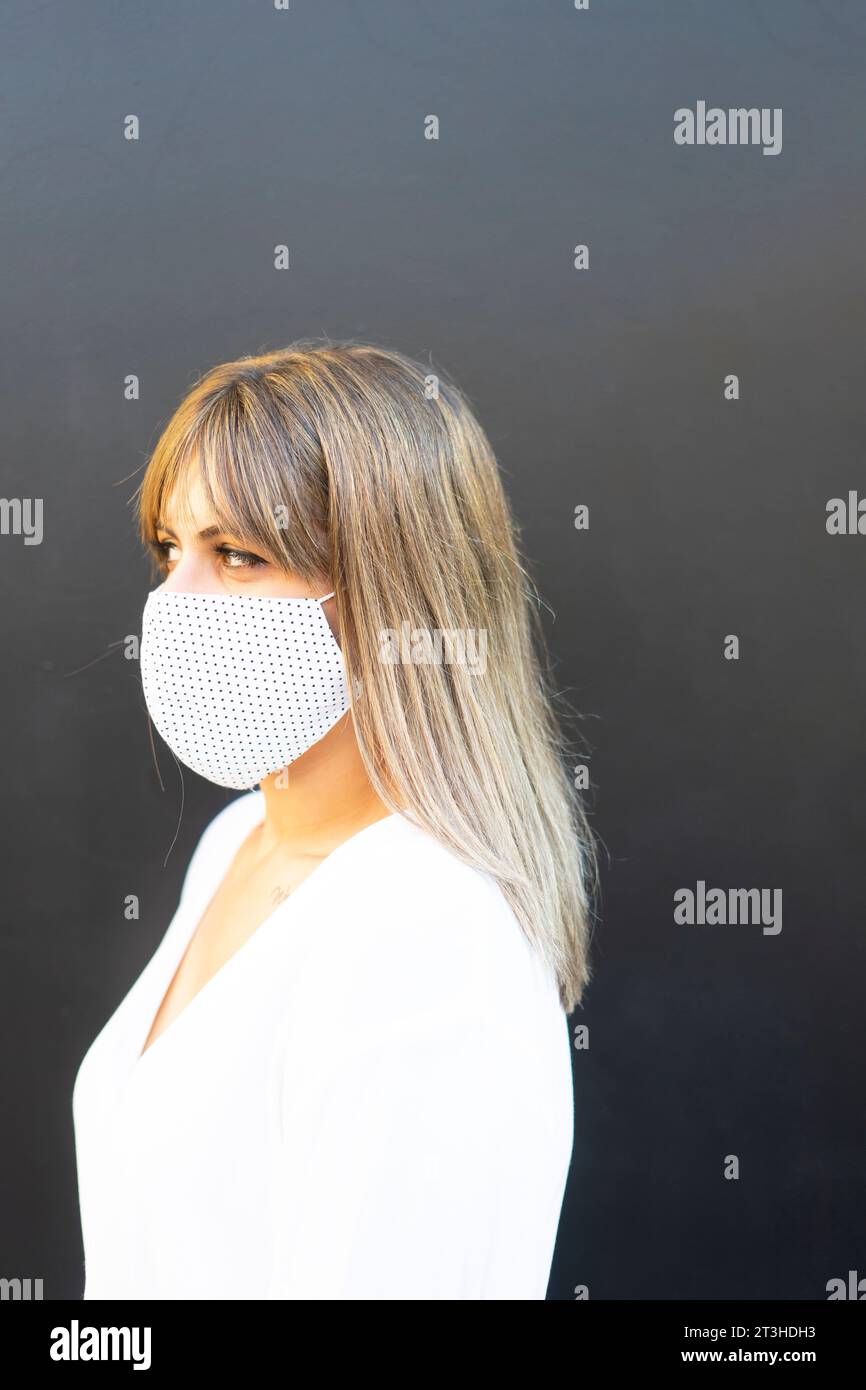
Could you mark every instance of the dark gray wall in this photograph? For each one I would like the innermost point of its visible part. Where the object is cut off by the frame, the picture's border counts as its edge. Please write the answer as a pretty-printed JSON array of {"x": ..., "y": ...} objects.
[{"x": 603, "y": 387}]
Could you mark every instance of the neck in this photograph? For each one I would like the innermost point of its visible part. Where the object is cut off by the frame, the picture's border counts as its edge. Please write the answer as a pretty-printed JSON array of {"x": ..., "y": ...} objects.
[{"x": 322, "y": 798}]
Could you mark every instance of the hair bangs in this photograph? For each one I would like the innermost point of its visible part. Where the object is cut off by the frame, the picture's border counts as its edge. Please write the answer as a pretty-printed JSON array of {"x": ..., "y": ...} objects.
[{"x": 261, "y": 487}]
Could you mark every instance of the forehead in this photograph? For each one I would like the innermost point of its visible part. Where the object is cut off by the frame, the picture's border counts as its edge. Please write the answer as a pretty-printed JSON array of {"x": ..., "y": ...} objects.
[{"x": 187, "y": 506}]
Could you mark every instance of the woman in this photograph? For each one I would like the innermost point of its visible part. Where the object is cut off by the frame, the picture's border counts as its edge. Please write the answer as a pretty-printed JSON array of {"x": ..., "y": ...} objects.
[{"x": 345, "y": 1072}]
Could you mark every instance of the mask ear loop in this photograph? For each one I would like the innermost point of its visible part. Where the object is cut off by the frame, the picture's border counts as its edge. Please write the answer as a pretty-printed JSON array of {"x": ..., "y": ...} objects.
[{"x": 324, "y": 596}]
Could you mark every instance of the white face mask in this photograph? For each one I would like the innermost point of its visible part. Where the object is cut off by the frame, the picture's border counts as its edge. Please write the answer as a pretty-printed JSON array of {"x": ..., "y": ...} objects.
[{"x": 238, "y": 685}]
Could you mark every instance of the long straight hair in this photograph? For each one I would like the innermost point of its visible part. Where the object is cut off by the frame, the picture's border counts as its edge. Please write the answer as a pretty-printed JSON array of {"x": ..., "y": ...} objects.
[{"x": 352, "y": 461}]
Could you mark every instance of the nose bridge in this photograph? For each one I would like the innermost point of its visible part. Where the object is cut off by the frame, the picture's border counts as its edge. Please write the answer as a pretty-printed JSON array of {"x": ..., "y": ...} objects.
[
  {"x": 176, "y": 582},
  {"x": 191, "y": 575}
]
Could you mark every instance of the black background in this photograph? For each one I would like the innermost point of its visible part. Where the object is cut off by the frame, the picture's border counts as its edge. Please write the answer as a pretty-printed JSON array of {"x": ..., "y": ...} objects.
[{"x": 602, "y": 387}]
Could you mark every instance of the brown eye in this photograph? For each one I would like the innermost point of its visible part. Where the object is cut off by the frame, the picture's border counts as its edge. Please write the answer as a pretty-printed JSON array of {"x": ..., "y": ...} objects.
[
  {"x": 162, "y": 551},
  {"x": 239, "y": 559}
]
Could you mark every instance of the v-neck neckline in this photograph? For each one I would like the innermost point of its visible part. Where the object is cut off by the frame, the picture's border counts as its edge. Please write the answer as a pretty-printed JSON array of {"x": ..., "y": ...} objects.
[{"x": 196, "y": 914}]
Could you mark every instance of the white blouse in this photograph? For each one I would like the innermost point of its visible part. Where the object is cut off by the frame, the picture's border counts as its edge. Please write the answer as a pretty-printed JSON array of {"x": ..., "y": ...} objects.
[{"x": 371, "y": 1099}]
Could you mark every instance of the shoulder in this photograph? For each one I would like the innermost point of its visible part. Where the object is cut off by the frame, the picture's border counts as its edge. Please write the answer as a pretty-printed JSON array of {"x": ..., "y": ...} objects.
[
  {"x": 418, "y": 979},
  {"x": 423, "y": 929}
]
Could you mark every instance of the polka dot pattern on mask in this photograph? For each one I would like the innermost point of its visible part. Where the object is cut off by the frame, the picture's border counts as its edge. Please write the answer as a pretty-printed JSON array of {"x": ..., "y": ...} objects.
[{"x": 237, "y": 685}]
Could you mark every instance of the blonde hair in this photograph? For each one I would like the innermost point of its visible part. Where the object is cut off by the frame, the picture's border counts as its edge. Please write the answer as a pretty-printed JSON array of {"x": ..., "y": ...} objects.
[{"x": 348, "y": 460}]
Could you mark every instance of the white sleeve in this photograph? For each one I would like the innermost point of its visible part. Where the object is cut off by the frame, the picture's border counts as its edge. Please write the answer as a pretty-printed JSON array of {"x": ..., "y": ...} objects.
[{"x": 390, "y": 1166}]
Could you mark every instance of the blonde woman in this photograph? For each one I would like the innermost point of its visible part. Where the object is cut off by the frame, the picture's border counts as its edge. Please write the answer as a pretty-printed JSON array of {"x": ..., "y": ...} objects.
[{"x": 345, "y": 1073}]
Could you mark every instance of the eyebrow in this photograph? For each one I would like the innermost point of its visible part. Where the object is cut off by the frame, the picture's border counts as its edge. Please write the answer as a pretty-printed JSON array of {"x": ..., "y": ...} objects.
[{"x": 204, "y": 535}]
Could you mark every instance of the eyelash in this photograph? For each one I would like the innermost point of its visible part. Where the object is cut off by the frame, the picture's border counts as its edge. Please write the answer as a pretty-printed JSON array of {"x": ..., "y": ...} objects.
[{"x": 245, "y": 557}]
